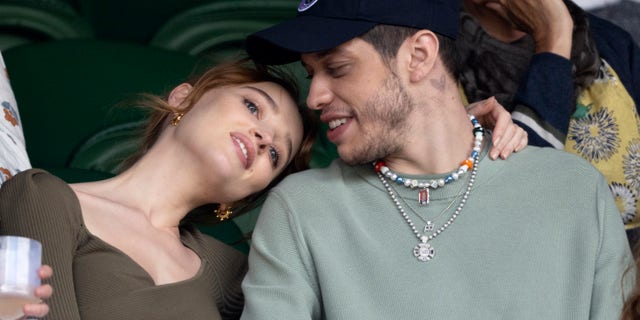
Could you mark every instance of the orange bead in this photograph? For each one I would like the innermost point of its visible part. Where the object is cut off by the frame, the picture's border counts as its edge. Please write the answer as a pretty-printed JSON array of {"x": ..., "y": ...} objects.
[{"x": 468, "y": 163}]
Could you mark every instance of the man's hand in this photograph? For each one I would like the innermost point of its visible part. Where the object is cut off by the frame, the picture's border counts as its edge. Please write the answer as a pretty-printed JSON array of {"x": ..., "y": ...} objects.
[{"x": 507, "y": 137}]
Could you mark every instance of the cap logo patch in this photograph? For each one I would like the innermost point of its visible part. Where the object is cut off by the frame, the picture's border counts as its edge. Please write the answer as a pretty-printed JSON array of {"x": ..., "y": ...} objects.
[{"x": 306, "y": 4}]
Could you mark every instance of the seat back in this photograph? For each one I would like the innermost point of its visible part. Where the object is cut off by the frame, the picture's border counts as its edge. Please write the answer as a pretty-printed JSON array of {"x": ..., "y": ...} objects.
[
  {"x": 26, "y": 21},
  {"x": 218, "y": 28},
  {"x": 66, "y": 90}
]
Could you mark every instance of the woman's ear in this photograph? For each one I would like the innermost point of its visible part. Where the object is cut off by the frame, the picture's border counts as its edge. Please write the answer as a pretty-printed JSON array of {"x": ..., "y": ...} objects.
[
  {"x": 179, "y": 94},
  {"x": 424, "y": 53}
]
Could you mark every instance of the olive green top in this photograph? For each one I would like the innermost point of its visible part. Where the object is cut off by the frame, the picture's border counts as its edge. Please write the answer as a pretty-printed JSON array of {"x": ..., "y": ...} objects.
[{"x": 93, "y": 280}]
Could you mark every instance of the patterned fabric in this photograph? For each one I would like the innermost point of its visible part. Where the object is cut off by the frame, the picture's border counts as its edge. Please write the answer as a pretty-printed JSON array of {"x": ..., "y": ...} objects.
[
  {"x": 13, "y": 153},
  {"x": 605, "y": 130}
]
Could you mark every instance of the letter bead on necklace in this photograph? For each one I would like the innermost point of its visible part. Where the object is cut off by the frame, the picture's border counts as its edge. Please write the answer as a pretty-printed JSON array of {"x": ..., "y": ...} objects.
[
  {"x": 424, "y": 185},
  {"x": 424, "y": 251}
]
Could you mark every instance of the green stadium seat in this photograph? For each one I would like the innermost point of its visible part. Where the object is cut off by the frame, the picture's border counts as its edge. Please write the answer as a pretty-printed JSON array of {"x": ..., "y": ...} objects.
[
  {"x": 105, "y": 150},
  {"x": 66, "y": 90},
  {"x": 130, "y": 21},
  {"x": 27, "y": 21},
  {"x": 220, "y": 27}
]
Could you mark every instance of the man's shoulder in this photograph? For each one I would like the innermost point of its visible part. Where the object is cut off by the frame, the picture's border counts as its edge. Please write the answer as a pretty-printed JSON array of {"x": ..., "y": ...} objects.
[{"x": 552, "y": 161}]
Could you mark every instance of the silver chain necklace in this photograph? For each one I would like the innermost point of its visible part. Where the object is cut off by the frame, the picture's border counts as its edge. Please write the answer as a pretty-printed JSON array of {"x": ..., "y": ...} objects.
[
  {"x": 430, "y": 224},
  {"x": 424, "y": 251}
]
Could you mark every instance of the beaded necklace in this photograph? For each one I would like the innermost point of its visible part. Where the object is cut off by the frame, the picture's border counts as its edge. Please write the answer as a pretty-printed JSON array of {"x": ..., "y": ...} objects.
[
  {"x": 424, "y": 251},
  {"x": 424, "y": 185}
]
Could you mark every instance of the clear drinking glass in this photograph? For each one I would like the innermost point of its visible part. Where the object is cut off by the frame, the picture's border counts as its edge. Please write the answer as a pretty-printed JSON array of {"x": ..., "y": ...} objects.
[{"x": 20, "y": 259}]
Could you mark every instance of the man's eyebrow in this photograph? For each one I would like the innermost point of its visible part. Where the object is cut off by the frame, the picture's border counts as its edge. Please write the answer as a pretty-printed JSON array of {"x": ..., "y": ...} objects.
[
  {"x": 265, "y": 95},
  {"x": 324, "y": 54}
]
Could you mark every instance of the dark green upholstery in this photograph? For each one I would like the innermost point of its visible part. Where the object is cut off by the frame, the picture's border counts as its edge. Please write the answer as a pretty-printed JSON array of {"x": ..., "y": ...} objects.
[
  {"x": 66, "y": 90},
  {"x": 220, "y": 27},
  {"x": 130, "y": 20},
  {"x": 25, "y": 21},
  {"x": 105, "y": 150}
]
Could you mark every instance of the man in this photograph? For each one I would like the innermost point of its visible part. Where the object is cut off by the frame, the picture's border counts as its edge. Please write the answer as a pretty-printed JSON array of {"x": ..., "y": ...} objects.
[{"x": 414, "y": 221}]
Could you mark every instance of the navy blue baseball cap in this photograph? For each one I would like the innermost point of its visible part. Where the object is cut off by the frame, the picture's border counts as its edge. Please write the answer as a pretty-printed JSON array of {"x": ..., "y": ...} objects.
[{"x": 321, "y": 25}]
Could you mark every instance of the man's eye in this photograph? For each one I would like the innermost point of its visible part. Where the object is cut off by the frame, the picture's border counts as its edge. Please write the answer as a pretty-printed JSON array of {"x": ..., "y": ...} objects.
[
  {"x": 253, "y": 108},
  {"x": 337, "y": 71}
]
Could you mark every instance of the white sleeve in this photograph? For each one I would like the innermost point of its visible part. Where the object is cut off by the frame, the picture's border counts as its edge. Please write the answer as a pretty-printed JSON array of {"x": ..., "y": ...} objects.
[{"x": 13, "y": 152}]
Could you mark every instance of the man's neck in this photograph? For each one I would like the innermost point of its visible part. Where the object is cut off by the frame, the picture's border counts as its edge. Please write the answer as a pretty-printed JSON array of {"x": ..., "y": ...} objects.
[{"x": 441, "y": 141}]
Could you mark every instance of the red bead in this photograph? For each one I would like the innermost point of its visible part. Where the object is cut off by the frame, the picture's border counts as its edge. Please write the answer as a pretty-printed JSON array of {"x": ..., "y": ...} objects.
[{"x": 379, "y": 166}]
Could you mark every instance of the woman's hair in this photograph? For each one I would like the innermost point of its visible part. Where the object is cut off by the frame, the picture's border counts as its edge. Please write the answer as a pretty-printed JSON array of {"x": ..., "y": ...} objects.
[
  {"x": 232, "y": 73},
  {"x": 387, "y": 39}
]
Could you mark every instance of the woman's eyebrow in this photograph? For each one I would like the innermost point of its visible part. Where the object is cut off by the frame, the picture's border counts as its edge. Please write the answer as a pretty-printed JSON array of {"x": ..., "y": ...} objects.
[{"x": 267, "y": 97}]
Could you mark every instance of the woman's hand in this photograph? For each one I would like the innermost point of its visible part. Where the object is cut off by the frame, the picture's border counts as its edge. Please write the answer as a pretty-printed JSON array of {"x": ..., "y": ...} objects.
[
  {"x": 42, "y": 292},
  {"x": 507, "y": 137},
  {"x": 547, "y": 21}
]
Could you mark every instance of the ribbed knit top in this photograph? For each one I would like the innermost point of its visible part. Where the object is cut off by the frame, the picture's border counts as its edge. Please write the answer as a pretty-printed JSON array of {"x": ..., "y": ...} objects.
[{"x": 94, "y": 281}]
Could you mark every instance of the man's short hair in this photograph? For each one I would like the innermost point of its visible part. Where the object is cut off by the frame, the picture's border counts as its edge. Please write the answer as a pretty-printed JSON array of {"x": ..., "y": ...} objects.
[{"x": 387, "y": 39}]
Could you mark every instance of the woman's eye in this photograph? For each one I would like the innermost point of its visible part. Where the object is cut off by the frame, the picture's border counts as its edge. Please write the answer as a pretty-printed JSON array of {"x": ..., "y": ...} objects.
[
  {"x": 275, "y": 156},
  {"x": 253, "y": 108}
]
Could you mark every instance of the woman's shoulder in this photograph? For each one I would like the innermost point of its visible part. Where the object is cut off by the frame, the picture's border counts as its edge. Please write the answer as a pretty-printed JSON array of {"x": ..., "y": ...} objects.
[
  {"x": 36, "y": 190},
  {"x": 35, "y": 182}
]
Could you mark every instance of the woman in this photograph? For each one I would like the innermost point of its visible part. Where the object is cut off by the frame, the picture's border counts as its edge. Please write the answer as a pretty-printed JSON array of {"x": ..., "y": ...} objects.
[
  {"x": 571, "y": 79},
  {"x": 124, "y": 247}
]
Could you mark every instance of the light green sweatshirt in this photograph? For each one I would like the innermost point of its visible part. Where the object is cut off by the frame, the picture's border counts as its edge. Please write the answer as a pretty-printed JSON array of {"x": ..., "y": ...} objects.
[{"x": 540, "y": 237}]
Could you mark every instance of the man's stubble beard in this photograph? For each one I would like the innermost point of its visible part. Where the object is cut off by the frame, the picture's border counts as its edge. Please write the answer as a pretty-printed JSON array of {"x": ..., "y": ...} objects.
[{"x": 383, "y": 124}]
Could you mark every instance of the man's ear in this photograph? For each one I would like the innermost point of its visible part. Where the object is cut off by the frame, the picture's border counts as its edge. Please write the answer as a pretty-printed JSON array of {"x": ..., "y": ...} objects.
[
  {"x": 423, "y": 46},
  {"x": 179, "y": 94}
]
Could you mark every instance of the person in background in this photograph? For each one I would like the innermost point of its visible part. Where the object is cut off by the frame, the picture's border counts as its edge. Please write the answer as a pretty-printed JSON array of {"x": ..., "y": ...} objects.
[
  {"x": 624, "y": 13},
  {"x": 125, "y": 247},
  {"x": 569, "y": 78},
  {"x": 414, "y": 220},
  {"x": 13, "y": 155}
]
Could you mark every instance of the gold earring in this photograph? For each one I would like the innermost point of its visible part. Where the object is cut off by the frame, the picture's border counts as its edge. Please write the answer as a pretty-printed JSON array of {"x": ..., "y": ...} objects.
[
  {"x": 176, "y": 119},
  {"x": 223, "y": 212}
]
